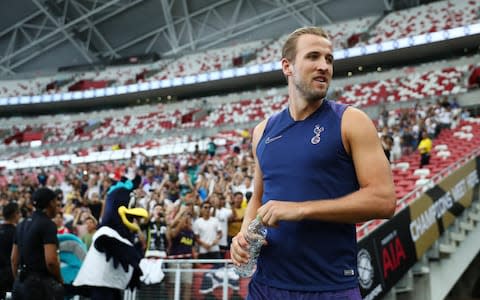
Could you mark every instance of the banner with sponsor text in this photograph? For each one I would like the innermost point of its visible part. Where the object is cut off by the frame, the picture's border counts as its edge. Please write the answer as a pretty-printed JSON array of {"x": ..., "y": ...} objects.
[{"x": 386, "y": 254}]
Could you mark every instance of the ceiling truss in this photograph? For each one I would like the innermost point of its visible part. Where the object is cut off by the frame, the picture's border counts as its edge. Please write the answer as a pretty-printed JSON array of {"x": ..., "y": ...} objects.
[{"x": 184, "y": 29}]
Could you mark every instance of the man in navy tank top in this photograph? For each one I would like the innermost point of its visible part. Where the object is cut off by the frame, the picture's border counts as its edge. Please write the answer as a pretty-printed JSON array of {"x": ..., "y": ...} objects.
[{"x": 320, "y": 169}]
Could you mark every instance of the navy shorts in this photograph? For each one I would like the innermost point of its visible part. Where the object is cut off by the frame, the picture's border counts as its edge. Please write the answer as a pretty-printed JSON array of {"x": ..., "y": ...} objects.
[{"x": 258, "y": 291}]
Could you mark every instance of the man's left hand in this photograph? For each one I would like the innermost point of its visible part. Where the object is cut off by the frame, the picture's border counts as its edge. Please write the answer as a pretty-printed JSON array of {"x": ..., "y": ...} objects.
[{"x": 274, "y": 211}]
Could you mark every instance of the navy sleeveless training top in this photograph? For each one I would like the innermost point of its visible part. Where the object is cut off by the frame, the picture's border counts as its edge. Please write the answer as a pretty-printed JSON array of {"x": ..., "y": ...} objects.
[{"x": 300, "y": 161}]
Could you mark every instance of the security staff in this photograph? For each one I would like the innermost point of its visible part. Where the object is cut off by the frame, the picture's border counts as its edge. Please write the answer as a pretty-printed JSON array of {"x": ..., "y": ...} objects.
[
  {"x": 11, "y": 213},
  {"x": 35, "y": 262}
]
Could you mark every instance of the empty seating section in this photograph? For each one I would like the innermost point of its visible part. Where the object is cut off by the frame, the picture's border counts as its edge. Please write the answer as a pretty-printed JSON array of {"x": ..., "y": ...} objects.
[
  {"x": 60, "y": 83},
  {"x": 442, "y": 82},
  {"x": 113, "y": 75},
  {"x": 342, "y": 35},
  {"x": 450, "y": 146},
  {"x": 24, "y": 87},
  {"x": 67, "y": 131},
  {"x": 150, "y": 120},
  {"x": 423, "y": 19},
  {"x": 124, "y": 75},
  {"x": 410, "y": 180},
  {"x": 244, "y": 111},
  {"x": 211, "y": 60},
  {"x": 345, "y": 34},
  {"x": 109, "y": 152}
]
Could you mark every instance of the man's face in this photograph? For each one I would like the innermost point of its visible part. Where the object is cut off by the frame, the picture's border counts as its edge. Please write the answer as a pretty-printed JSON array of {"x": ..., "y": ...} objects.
[
  {"x": 90, "y": 225},
  {"x": 58, "y": 220},
  {"x": 311, "y": 71},
  {"x": 158, "y": 211},
  {"x": 205, "y": 210},
  {"x": 237, "y": 200},
  {"x": 53, "y": 208},
  {"x": 149, "y": 173}
]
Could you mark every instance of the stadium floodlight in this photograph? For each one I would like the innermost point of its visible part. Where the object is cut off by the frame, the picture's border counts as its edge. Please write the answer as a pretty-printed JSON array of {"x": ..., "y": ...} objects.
[
  {"x": 202, "y": 77},
  {"x": 99, "y": 92},
  {"x": 177, "y": 81},
  {"x": 227, "y": 73},
  {"x": 240, "y": 71},
  {"x": 121, "y": 90},
  {"x": 144, "y": 86},
  {"x": 253, "y": 69},
  {"x": 110, "y": 91},
  {"x": 215, "y": 75},
  {"x": 77, "y": 95},
  {"x": 190, "y": 79},
  {"x": 35, "y": 99},
  {"x": 25, "y": 100},
  {"x": 89, "y": 94},
  {"x": 66, "y": 96},
  {"x": 132, "y": 88}
]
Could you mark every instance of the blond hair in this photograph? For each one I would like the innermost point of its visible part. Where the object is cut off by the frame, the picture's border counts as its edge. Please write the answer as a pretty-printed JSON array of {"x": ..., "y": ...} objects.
[{"x": 289, "y": 50}]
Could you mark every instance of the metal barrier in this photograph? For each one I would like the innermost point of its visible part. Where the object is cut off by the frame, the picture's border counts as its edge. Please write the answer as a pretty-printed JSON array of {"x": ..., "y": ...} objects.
[
  {"x": 201, "y": 271},
  {"x": 417, "y": 191}
]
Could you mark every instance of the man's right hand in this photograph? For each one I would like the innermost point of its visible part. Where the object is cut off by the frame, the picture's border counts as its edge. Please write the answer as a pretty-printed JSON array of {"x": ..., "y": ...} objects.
[{"x": 239, "y": 249}]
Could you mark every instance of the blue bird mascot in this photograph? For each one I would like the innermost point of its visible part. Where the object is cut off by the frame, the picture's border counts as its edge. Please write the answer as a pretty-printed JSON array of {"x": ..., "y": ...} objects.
[{"x": 112, "y": 262}]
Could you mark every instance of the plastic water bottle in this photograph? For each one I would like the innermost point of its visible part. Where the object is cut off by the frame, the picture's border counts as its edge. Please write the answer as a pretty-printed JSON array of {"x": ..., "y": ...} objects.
[{"x": 256, "y": 235}]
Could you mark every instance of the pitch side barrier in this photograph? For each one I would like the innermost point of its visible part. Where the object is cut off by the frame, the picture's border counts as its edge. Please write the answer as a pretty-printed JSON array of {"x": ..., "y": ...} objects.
[{"x": 388, "y": 252}]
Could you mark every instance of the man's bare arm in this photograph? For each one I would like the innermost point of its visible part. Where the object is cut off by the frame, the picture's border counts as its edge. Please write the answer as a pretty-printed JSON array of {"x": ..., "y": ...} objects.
[
  {"x": 15, "y": 259},
  {"x": 51, "y": 259}
]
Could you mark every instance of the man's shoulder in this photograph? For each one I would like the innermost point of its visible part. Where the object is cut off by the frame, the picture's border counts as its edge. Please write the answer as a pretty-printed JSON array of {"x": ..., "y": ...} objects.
[
  {"x": 7, "y": 230},
  {"x": 7, "y": 226},
  {"x": 270, "y": 119},
  {"x": 338, "y": 108}
]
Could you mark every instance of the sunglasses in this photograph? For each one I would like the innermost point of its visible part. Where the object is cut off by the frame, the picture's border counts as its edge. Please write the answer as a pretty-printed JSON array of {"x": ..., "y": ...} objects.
[{"x": 207, "y": 207}]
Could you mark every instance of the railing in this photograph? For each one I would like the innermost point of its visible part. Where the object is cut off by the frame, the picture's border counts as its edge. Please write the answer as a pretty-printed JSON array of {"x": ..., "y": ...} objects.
[
  {"x": 417, "y": 191},
  {"x": 175, "y": 269}
]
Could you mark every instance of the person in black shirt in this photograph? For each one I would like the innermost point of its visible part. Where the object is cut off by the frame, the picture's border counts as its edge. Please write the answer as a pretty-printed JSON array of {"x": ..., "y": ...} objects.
[
  {"x": 11, "y": 213},
  {"x": 157, "y": 234},
  {"x": 35, "y": 262}
]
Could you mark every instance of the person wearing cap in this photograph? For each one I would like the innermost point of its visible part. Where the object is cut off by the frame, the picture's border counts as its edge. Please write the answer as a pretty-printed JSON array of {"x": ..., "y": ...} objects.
[{"x": 34, "y": 259}]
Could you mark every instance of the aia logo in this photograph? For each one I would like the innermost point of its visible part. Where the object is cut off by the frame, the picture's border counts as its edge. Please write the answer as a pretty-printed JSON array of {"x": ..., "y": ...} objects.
[{"x": 392, "y": 256}]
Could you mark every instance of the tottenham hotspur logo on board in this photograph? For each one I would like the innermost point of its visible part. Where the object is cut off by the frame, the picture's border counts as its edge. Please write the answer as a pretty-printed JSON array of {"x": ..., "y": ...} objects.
[{"x": 365, "y": 269}]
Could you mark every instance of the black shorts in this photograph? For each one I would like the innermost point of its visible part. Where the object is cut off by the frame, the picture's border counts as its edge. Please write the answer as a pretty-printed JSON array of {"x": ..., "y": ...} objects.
[
  {"x": 35, "y": 286},
  {"x": 6, "y": 282}
]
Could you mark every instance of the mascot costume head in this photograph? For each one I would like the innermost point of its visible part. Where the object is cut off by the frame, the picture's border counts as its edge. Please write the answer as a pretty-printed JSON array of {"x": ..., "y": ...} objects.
[{"x": 112, "y": 262}]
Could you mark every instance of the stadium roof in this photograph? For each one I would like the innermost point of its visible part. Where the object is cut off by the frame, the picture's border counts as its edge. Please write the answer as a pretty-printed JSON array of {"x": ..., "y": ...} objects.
[{"x": 48, "y": 34}]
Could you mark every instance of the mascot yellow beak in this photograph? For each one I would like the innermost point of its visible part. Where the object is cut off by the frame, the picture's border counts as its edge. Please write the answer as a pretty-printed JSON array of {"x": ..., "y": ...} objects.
[{"x": 135, "y": 212}]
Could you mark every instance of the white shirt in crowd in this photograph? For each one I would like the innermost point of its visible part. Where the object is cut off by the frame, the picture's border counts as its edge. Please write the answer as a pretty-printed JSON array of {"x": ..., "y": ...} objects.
[
  {"x": 207, "y": 232},
  {"x": 223, "y": 214}
]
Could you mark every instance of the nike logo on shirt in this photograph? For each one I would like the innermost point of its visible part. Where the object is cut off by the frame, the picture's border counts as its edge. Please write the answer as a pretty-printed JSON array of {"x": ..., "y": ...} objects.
[{"x": 273, "y": 139}]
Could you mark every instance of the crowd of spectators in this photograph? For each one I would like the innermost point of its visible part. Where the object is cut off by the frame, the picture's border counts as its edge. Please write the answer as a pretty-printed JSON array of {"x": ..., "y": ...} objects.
[
  {"x": 401, "y": 131},
  {"x": 172, "y": 187},
  {"x": 196, "y": 200},
  {"x": 172, "y": 181}
]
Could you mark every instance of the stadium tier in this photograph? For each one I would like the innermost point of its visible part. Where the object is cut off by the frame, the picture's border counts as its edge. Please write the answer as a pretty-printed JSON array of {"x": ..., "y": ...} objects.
[{"x": 429, "y": 18}]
